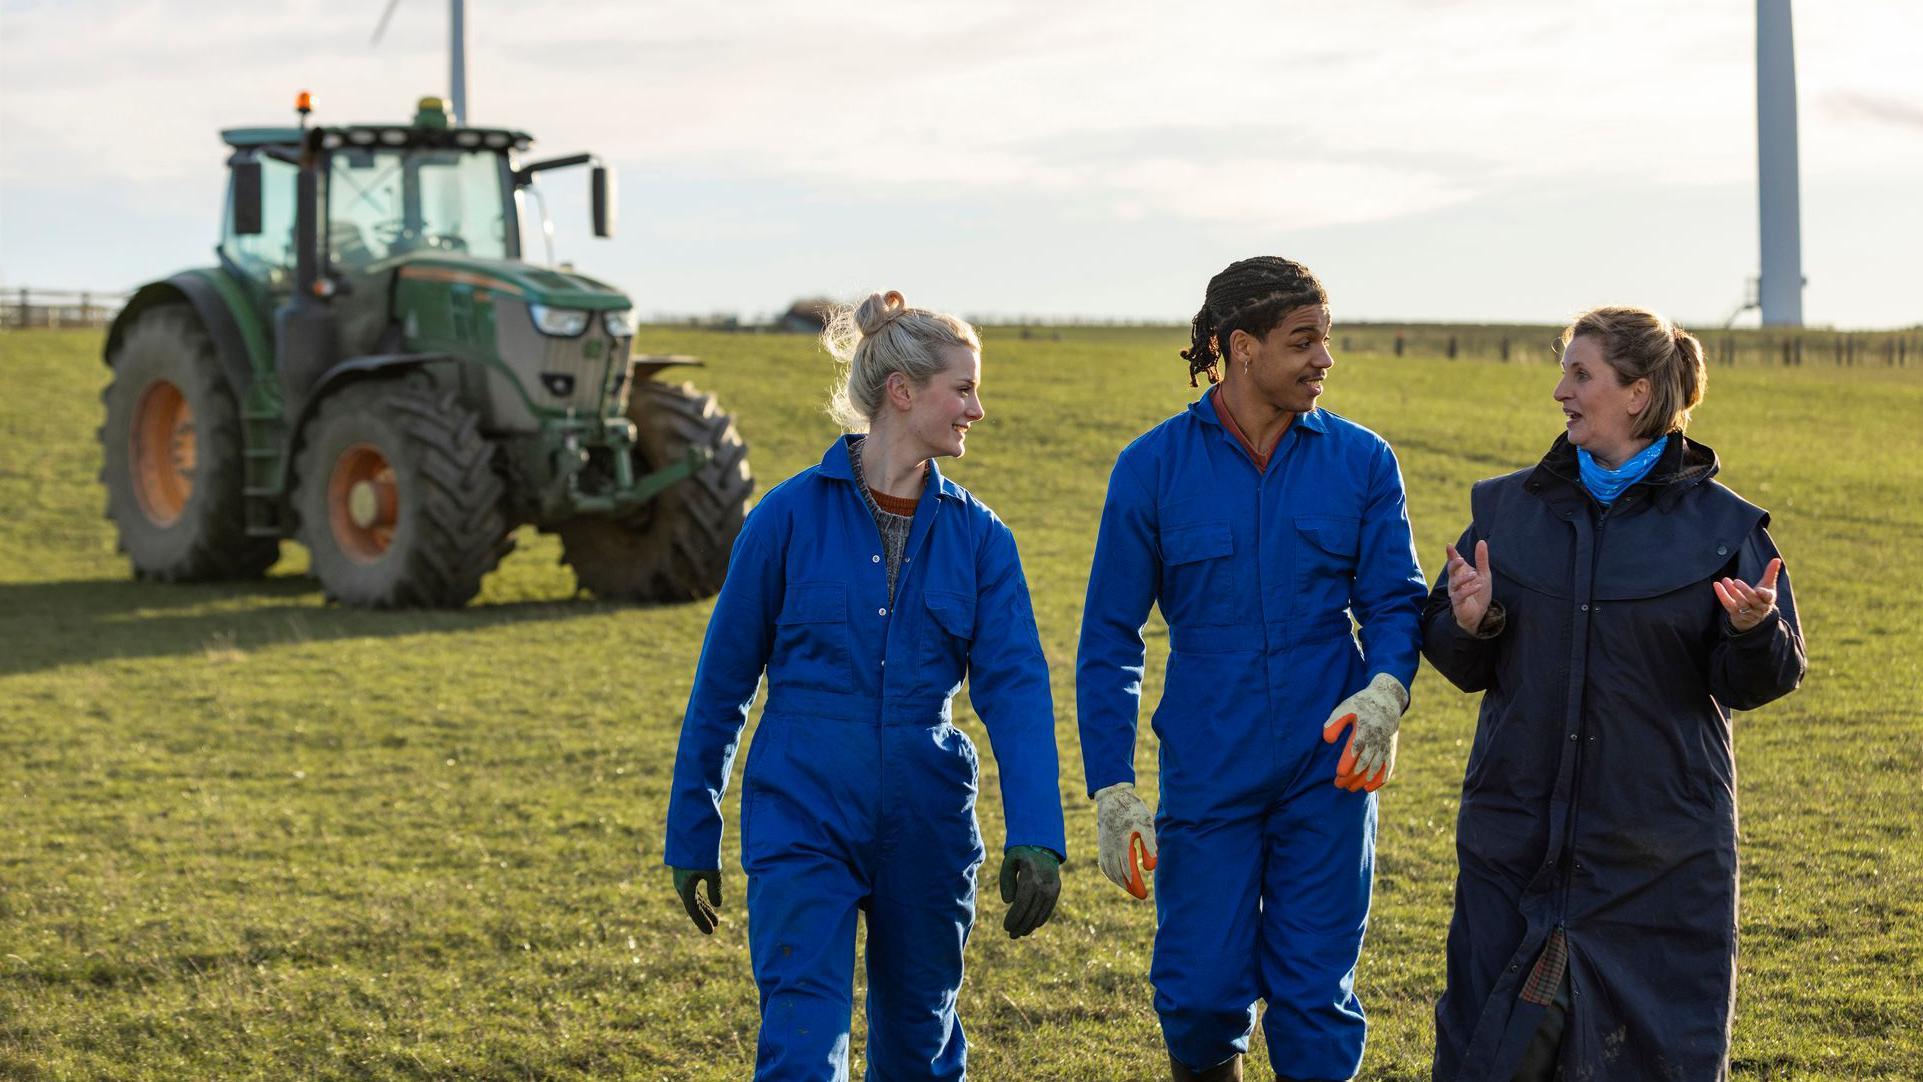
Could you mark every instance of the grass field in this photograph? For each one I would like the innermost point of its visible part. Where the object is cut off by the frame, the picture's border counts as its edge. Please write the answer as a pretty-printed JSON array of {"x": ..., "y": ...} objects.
[{"x": 248, "y": 834}]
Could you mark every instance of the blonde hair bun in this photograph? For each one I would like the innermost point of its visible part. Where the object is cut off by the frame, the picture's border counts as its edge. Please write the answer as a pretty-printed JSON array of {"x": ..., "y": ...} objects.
[
  {"x": 873, "y": 315},
  {"x": 879, "y": 337}
]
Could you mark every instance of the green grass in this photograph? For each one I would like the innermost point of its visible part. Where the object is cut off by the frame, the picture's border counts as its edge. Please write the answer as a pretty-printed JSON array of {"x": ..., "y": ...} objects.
[{"x": 248, "y": 834}]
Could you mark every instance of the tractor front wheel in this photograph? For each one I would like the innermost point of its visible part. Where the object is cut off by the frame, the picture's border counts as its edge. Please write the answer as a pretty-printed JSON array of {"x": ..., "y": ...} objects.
[
  {"x": 172, "y": 457},
  {"x": 398, "y": 499},
  {"x": 676, "y": 548}
]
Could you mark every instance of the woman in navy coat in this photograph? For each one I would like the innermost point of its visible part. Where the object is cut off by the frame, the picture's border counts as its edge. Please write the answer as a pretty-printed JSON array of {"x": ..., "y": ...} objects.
[
  {"x": 867, "y": 587},
  {"x": 1613, "y": 604}
]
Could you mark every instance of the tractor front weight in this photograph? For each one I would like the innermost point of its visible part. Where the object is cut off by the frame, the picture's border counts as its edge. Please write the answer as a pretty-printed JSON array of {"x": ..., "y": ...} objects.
[{"x": 590, "y": 466}]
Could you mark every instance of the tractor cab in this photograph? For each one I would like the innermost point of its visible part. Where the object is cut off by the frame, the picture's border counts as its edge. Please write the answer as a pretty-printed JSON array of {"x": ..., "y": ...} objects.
[{"x": 382, "y": 192}]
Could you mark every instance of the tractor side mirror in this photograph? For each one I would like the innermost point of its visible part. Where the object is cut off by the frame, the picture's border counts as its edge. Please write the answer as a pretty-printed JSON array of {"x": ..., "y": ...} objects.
[
  {"x": 247, "y": 198},
  {"x": 601, "y": 188}
]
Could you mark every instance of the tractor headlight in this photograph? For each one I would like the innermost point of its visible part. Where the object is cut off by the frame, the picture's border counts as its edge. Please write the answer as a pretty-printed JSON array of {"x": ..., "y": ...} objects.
[
  {"x": 619, "y": 324},
  {"x": 560, "y": 322}
]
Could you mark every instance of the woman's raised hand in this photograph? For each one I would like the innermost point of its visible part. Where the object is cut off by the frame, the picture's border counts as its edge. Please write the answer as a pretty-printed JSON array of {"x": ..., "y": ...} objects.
[
  {"x": 1747, "y": 605},
  {"x": 1471, "y": 588}
]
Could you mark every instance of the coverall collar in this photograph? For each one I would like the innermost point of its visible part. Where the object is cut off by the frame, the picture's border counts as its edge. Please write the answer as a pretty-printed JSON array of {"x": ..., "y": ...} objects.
[
  {"x": 836, "y": 463},
  {"x": 1204, "y": 407}
]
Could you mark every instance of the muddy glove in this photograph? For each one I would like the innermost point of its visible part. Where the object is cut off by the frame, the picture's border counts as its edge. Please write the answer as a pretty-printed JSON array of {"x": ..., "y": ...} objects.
[
  {"x": 687, "y": 883},
  {"x": 1126, "y": 834},
  {"x": 1370, "y": 756},
  {"x": 1031, "y": 881}
]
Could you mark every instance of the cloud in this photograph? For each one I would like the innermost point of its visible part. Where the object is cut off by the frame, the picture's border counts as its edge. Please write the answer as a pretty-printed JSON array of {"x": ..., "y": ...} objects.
[{"x": 1876, "y": 109}]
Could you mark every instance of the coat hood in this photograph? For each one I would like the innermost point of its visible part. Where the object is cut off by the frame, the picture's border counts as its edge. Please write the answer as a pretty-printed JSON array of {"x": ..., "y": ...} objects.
[{"x": 1684, "y": 464}]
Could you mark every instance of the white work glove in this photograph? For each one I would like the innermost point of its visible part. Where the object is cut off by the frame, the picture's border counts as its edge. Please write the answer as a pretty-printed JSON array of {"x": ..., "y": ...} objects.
[
  {"x": 1370, "y": 757},
  {"x": 1125, "y": 831}
]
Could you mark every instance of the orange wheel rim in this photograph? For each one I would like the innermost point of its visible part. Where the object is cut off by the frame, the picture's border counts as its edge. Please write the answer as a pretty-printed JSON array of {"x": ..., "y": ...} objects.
[
  {"x": 363, "y": 503},
  {"x": 162, "y": 452}
]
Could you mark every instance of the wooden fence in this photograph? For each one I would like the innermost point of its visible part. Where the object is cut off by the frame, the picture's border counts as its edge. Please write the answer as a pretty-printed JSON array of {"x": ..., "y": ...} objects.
[
  {"x": 1536, "y": 343},
  {"x": 1750, "y": 346},
  {"x": 26, "y": 307},
  {"x": 1519, "y": 343}
]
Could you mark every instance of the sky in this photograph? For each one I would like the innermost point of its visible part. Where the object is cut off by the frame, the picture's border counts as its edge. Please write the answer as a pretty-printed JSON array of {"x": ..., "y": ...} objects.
[{"x": 1459, "y": 160}]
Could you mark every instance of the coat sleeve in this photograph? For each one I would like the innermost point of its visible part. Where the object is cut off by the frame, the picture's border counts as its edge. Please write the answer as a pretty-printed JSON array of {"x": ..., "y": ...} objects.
[
  {"x": 1122, "y": 585},
  {"x": 1467, "y": 660},
  {"x": 740, "y": 636},
  {"x": 1387, "y": 595},
  {"x": 1008, "y": 685},
  {"x": 1750, "y": 668}
]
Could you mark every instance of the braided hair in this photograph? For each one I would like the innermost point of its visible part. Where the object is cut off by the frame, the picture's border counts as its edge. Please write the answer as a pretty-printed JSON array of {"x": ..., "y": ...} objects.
[{"x": 1252, "y": 296}]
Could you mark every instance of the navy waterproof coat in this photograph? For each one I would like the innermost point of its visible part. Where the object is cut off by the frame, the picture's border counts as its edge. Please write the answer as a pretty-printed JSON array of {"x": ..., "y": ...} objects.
[
  {"x": 1600, "y": 796},
  {"x": 859, "y": 793}
]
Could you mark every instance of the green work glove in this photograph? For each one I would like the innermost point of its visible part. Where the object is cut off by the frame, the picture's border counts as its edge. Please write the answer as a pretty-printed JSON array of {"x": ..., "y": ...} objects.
[
  {"x": 687, "y": 883},
  {"x": 1031, "y": 881}
]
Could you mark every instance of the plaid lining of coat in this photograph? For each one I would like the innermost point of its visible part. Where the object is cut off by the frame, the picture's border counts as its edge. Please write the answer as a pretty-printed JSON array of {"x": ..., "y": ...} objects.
[{"x": 1546, "y": 977}]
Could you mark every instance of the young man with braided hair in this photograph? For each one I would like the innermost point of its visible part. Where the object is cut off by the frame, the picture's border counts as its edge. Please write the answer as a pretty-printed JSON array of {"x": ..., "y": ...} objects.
[{"x": 1258, "y": 524}]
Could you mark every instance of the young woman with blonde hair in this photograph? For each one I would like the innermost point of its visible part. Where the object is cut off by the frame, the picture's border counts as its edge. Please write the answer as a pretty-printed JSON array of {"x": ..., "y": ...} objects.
[{"x": 867, "y": 587}]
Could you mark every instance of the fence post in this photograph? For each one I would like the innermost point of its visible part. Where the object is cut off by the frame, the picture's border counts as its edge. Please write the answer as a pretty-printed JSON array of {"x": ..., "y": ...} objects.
[
  {"x": 26, "y": 308},
  {"x": 1452, "y": 347},
  {"x": 1505, "y": 347}
]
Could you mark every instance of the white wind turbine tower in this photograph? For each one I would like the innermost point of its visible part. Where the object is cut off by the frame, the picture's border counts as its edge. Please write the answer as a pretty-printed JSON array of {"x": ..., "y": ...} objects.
[
  {"x": 456, "y": 52},
  {"x": 1780, "y": 291}
]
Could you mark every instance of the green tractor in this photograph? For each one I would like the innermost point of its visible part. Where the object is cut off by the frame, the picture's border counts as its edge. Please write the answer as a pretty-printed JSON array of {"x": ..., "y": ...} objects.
[{"x": 373, "y": 370}]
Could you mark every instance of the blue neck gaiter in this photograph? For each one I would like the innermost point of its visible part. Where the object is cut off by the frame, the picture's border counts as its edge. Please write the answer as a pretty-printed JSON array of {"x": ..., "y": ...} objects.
[{"x": 1607, "y": 484}]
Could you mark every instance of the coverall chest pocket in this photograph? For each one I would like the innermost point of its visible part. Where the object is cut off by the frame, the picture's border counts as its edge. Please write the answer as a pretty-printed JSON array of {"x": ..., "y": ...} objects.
[
  {"x": 946, "y": 636},
  {"x": 811, "y": 635},
  {"x": 1198, "y": 574},
  {"x": 1327, "y": 552}
]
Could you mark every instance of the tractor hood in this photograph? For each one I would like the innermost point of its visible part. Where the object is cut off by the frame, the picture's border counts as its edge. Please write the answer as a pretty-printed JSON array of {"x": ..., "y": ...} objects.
[{"x": 535, "y": 285}]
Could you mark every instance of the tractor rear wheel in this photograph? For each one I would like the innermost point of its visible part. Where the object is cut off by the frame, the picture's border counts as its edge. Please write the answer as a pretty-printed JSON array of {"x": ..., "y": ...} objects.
[
  {"x": 398, "y": 499},
  {"x": 676, "y": 548},
  {"x": 172, "y": 458}
]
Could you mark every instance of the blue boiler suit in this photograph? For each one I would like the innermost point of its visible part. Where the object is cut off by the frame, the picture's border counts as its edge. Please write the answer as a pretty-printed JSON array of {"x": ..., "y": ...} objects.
[
  {"x": 1263, "y": 881},
  {"x": 859, "y": 792}
]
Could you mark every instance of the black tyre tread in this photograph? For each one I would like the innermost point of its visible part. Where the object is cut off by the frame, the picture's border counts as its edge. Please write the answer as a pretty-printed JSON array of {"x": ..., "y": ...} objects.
[
  {"x": 460, "y": 530},
  {"x": 679, "y": 550},
  {"x": 168, "y": 341}
]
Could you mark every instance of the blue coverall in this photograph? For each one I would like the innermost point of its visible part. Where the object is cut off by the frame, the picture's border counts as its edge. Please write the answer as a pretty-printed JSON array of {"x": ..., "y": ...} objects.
[
  {"x": 859, "y": 793},
  {"x": 1263, "y": 880}
]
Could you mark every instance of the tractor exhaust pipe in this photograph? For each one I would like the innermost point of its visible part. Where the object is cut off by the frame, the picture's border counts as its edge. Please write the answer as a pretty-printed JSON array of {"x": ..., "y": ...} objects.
[{"x": 306, "y": 338}]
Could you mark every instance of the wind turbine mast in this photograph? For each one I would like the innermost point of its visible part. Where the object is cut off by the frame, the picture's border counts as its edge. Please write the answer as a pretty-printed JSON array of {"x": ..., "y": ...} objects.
[
  {"x": 1778, "y": 201},
  {"x": 456, "y": 51},
  {"x": 457, "y": 66}
]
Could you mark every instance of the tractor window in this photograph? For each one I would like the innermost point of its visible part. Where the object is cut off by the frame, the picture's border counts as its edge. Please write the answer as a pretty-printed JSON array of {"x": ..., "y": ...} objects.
[
  {"x": 386, "y": 202},
  {"x": 266, "y": 257}
]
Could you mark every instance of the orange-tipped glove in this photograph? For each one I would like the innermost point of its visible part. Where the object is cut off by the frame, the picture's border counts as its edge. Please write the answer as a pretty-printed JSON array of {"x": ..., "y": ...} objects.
[
  {"x": 1376, "y": 712},
  {"x": 1125, "y": 831}
]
